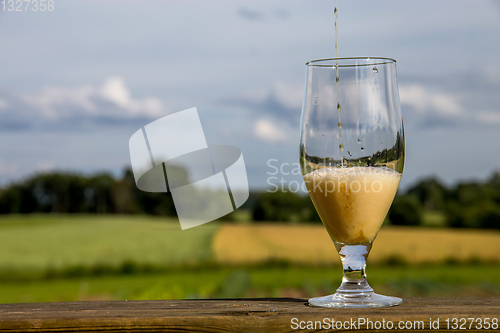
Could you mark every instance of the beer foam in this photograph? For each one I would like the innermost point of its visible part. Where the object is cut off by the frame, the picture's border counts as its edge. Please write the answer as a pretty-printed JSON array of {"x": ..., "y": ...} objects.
[{"x": 352, "y": 202}]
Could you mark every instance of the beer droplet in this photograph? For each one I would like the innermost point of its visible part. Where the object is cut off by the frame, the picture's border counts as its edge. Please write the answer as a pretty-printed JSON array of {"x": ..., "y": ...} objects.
[
  {"x": 359, "y": 141},
  {"x": 362, "y": 148},
  {"x": 375, "y": 70},
  {"x": 341, "y": 147},
  {"x": 338, "y": 107},
  {"x": 340, "y": 124},
  {"x": 349, "y": 153}
]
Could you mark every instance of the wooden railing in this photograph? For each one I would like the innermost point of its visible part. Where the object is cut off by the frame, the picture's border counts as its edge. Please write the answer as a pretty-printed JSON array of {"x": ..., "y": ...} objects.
[{"x": 248, "y": 315}]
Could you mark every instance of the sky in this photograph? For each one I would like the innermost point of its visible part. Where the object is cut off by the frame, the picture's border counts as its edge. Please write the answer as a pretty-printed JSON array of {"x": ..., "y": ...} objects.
[{"x": 76, "y": 82}]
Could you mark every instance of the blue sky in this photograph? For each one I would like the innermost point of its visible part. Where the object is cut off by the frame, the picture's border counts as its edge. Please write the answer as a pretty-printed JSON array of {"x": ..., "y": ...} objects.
[{"x": 77, "y": 82}]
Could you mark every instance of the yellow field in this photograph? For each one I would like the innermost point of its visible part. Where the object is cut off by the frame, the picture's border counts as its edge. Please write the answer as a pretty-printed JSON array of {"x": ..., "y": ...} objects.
[{"x": 310, "y": 244}]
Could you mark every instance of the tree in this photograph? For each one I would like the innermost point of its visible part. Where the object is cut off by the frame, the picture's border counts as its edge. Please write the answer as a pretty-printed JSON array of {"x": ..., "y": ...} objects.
[{"x": 431, "y": 193}]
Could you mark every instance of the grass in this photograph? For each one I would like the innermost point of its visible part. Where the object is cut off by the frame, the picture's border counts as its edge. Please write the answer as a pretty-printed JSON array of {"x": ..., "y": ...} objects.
[
  {"x": 258, "y": 281},
  {"x": 69, "y": 258},
  {"x": 39, "y": 243},
  {"x": 434, "y": 219}
]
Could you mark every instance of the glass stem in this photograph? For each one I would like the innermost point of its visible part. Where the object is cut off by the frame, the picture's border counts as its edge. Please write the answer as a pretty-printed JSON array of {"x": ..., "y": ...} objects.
[{"x": 354, "y": 264}]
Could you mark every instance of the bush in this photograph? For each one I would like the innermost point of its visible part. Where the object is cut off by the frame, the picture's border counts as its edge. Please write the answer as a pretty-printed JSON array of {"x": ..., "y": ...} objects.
[
  {"x": 431, "y": 193},
  {"x": 282, "y": 207},
  {"x": 406, "y": 210},
  {"x": 485, "y": 215}
]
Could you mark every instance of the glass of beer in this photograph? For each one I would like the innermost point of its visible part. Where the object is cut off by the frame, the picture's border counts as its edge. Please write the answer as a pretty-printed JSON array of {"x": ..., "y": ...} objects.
[{"x": 352, "y": 156}]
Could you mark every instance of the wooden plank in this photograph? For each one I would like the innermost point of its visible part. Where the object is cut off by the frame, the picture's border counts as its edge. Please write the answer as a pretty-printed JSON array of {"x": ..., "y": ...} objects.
[{"x": 238, "y": 315}]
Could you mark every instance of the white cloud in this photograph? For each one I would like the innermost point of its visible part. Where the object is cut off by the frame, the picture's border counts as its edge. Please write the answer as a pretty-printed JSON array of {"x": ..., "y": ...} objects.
[
  {"x": 57, "y": 102},
  {"x": 267, "y": 131},
  {"x": 288, "y": 95},
  {"x": 115, "y": 90},
  {"x": 489, "y": 117},
  {"x": 111, "y": 102},
  {"x": 439, "y": 108},
  {"x": 425, "y": 100}
]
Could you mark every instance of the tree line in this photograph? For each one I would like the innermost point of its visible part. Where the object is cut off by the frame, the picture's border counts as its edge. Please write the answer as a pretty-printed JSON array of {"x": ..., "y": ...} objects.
[
  {"x": 74, "y": 193},
  {"x": 473, "y": 204}
]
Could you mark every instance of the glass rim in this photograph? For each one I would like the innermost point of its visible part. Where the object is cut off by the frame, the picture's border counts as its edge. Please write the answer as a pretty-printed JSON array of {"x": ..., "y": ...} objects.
[{"x": 376, "y": 61}]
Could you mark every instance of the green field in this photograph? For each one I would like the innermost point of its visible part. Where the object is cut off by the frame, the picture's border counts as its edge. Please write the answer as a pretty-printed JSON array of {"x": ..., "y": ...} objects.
[
  {"x": 39, "y": 243},
  {"x": 263, "y": 281},
  {"x": 68, "y": 258}
]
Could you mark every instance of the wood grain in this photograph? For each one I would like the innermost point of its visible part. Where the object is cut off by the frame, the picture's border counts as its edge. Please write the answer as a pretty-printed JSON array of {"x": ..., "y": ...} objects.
[{"x": 232, "y": 315}]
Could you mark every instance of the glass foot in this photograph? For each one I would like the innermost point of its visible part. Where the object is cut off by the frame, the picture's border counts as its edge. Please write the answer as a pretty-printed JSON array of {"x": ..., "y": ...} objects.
[{"x": 365, "y": 300}]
